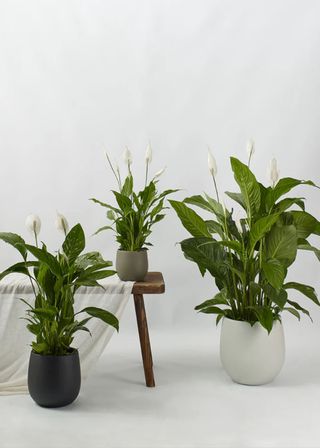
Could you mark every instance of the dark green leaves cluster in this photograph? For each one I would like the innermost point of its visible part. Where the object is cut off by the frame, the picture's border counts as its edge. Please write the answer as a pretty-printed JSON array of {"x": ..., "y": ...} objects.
[
  {"x": 134, "y": 215},
  {"x": 249, "y": 260},
  {"x": 55, "y": 280}
]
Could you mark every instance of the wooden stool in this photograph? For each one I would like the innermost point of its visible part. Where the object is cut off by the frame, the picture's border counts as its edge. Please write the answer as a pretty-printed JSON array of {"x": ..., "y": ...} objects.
[{"x": 152, "y": 284}]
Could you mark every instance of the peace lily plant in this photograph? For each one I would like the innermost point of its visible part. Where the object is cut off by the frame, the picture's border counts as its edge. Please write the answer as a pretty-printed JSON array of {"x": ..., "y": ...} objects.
[
  {"x": 249, "y": 258},
  {"x": 133, "y": 216},
  {"x": 51, "y": 318}
]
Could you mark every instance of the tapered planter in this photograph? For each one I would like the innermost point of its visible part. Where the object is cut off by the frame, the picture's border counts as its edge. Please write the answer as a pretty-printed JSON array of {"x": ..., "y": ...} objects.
[
  {"x": 132, "y": 265},
  {"x": 249, "y": 354},
  {"x": 54, "y": 381}
]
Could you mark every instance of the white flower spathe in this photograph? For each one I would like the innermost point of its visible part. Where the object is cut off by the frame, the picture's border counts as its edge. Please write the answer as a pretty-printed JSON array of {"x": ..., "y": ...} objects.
[
  {"x": 61, "y": 223},
  {"x": 250, "y": 147},
  {"x": 159, "y": 173},
  {"x": 212, "y": 164},
  {"x": 127, "y": 157},
  {"x": 148, "y": 154},
  {"x": 33, "y": 224},
  {"x": 239, "y": 226},
  {"x": 273, "y": 171}
]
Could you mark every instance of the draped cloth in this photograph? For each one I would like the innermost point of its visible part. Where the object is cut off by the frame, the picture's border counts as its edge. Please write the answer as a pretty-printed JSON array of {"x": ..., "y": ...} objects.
[{"x": 15, "y": 339}]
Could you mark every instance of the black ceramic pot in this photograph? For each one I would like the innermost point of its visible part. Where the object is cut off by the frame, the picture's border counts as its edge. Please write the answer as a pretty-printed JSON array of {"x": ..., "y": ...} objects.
[{"x": 54, "y": 381}]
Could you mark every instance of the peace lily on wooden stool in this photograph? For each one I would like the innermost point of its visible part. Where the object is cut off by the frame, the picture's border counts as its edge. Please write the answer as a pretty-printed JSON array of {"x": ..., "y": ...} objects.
[
  {"x": 133, "y": 217},
  {"x": 249, "y": 260},
  {"x": 54, "y": 369}
]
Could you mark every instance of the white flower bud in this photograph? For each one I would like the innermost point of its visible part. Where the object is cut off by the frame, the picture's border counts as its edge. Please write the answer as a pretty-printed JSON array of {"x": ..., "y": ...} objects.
[
  {"x": 33, "y": 224},
  {"x": 148, "y": 154},
  {"x": 127, "y": 157},
  {"x": 159, "y": 173},
  {"x": 62, "y": 223},
  {"x": 212, "y": 164},
  {"x": 273, "y": 172},
  {"x": 250, "y": 148},
  {"x": 239, "y": 226}
]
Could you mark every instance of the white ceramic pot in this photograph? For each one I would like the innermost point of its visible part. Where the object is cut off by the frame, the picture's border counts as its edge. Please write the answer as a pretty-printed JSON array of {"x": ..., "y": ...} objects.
[{"x": 249, "y": 354}]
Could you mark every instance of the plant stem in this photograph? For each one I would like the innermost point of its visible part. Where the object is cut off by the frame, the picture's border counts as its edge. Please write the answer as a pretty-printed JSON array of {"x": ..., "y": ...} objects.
[
  {"x": 114, "y": 172},
  {"x": 215, "y": 187},
  {"x": 147, "y": 169},
  {"x": 35, "y": 235}
]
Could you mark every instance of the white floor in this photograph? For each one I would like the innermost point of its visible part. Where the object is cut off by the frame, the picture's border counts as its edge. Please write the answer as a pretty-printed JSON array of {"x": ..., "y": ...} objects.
[{"x": 194, "y": 404}]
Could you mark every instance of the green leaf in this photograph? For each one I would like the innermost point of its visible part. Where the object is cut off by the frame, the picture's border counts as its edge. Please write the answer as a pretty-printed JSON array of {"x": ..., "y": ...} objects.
[
  {"x": 16, "y": 241},
  {"x": 305, "y": 245},
  {"x": 190, "y": 220},
  {"x": 293, "y": 311},
  {"x": 287, "y": 203},
  {"x": 104, "y": 315},
  {"x": 199, "y": 201},
  {"x": 248, "y": 184},
  {"x": 212, "y": 310},
  {"x": 89, "y": 274},
  {"x": 233, "y": 245},
  {"x": 127, "y": 186},
  {"x": 274, "y": 272},
  {"x": 260, "y": 228},
  {"x": 218, "y": 299},
  {"x": 209, "y": 257},
  {"x": 219, "y": 317},
  {"x": 45, "y": 257},
  {"x": 19, "y": 268},
  {"x": 124, "y": 202},
  {"x": 101, "y": 229},
  {"x": 74, "y": 243},
  {"x": 215, "y": 227},
  {"x": 89, "y": 259},
  {"x": 103, "y": 204},
  {"x": 216, "y": 207},
  {"x": 304, "y": 223},
  {"x": 265, "y": 317},
  {"x": 281, "y": 243},
  {"x": 279, "y": 297},
  {"x": 237, "y": 197},
  {"x": 284, "y": 186},
  {"x": 48, "y": 313},
  {"x": 299, "y": 308},
  {"x": 307, "y": 290}
]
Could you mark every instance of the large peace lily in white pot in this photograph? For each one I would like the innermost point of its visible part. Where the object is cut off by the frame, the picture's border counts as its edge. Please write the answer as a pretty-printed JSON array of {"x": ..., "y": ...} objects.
[{"x": 249, "y": 259}]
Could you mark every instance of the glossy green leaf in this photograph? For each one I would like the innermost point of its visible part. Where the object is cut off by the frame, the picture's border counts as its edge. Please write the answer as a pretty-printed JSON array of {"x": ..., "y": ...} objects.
[
  {"x": 248, "y": 184},
  {"x": 192, "y": 222},
  {"x": 307, "y": 290},
  {"x": 103, "y": 315},
  {"x": 74, "y": 243}
]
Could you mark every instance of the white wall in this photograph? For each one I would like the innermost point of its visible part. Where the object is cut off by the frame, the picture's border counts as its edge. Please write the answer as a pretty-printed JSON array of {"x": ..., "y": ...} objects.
[{"x": 79, "y": 77}]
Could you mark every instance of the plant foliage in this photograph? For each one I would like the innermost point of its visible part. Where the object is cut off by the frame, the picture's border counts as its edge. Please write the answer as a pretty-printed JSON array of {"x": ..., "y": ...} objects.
[
  {"x": 134, "y": 214},
  {"x": 249, "y": 259},
  {"x": 55, "y": 280}
]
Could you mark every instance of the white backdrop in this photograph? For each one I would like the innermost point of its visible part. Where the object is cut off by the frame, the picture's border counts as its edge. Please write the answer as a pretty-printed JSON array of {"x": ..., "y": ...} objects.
[{"x": 79, "y": 77}]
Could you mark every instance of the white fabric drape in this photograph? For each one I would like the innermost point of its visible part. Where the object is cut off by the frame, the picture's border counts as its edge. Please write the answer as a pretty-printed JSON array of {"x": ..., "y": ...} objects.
[{"x": 15, "y": 339}]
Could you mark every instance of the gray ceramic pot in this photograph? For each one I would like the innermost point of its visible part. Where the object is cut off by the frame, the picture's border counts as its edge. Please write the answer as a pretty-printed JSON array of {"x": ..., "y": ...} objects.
[{"x": 132, "y": 265}]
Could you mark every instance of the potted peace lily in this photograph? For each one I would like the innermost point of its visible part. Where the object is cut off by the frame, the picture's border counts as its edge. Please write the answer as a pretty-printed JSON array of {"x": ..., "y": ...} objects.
[
  {"x": 54, "y": 369},
  {"x": 249, "y": 259},
  {"x": 133, "y": 216}
]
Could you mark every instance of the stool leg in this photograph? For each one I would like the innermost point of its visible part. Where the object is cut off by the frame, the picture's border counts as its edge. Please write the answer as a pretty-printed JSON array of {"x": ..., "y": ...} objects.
[{"x": 144, "y": 339}]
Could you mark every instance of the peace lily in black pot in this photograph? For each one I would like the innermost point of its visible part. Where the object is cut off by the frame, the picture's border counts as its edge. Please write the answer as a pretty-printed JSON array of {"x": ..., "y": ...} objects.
[
  {"x": 133, "y": 217},
  {"x": 54, "y": 369},
  {"x": 249, "y": 259}
]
